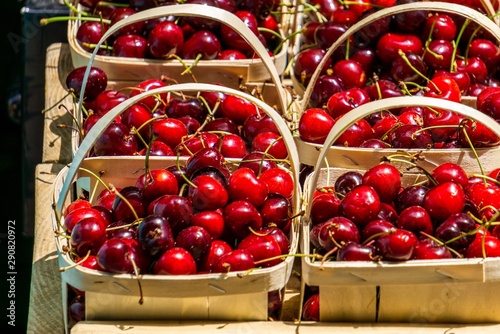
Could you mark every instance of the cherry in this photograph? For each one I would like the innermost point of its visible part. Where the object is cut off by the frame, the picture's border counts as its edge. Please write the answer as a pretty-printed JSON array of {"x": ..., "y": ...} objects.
[
  {"x": 271, "y": 143},
  {"x": 443, "y": 200},
  {"x": 97, "y": 82},
  {"x": 478, "y": 134},
  {"x": 324, "y": 207},
  {"x": 207, "y": 193},
  {"x": 170, "y": 131},
  {"x": 107, "y": 100},
  {"x": 340, "y": 103},
  {"x": 122, "y": 210},
  {"x": 236, "y": 260},
  {"x": 410, "y": 196},
  {"x": 325, "y": 86},
  {"x": 121, "y": 13},
  {"x": 237, "y": 109},
  {"x": 115, "y": 140},
  {"x": 350, "y": 72},
  {"x": 175, "y": 261},
  {"x": 199, "y": 23},
  {"x": 352, "y": 251},
  {"x": 429, "y": 249},
  {"x": 196, "y": 240},
  {"x": 257, "y": 123},
  {"x": 458, "y": 227},
  {"x": 310, "y": 310},
  {"x": 131, "y": 46},
  {"x": 279, "y": 181},
  {"x": 315, "y": 125},
  {"x": 355, "y": 134},
  {"x": 440, "y": 26},
  {"x": 90, "y": 33},
  {"x": 211, "y": 221},
  {"x": 385, "y": 179},
  {"x": 194, "y": 144},
  {"x": 190, "y": 106},
  {"x": 440, "y": 123},
  {"x": 475, "y": 67},
  {"x": 337, "y": 231},
  {"x": 156, "y": 183},
  {"x": 232, "y": 146},
  {"x": 389, "y": 44},
  {"x": 327, "y": 33},
  {"x": 346, "y": 182},
  {"x": 176, "y": 209},
  {"x": 487, "y": 50},
  {"x": 155, "y": 236},
  {"x": 486, "y": 246},
  {"x": 402, "y": 71},
  {"x": 87, "y": 236},
  {"x": 416, "y": 219},
  {"x": 449, "y": 171},
  {"x": 202, "y": 43},
  {"x": 306, "y": 62},
  {"x": 397, "y": 245},
  {"x": 243, "y": 184},
  {"x": 234, "y": 40},
  {"x": 240, "y": 217},
  {"x": 217, "y": 249},
  {"x": 77, "y": 214},
  {"x": 77, "y": 308},
  {"x": 165, "y": 39},
  {"x": 376, "y": 228},
  {"x": 116, "y": 256},
  {"x": 262, "y": 247},
  {"x": 153, "y": 102},
  {"x": 223, "y": 124},
  {"x": 410, "y": 136}
]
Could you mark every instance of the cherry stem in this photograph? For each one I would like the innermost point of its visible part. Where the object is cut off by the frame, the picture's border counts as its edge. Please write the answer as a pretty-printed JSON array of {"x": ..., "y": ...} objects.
[
  {"x": 113, "y": 190},
  {"x": 426, "y": 173},
  {"x": 61, "y": 269},
  {"x": 314, "y": 8},
  {"x": 466, "y": 135},
  {"x": 327, "y": 254},
  {"x": 48, "y": 20},
  {"x": 187, "y": 68},
  {"x": 137, "y": 272},
  {"x": 441, "y": 243},
  {"x": 456, "y": 43},
  {"x": 70, "y": 92},
  {"x": 407, "y": 61},
  {"x": 380, "y": 234},
  {"x": 78, "y": 126},
  {"x": 97, "y": 177}
]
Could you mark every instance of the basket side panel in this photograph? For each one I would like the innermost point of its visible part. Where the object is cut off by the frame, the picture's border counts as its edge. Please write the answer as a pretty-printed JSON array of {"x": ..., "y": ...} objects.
[
  {"x": 440, "y": 303},
  {"x": 348, "y": 303}
]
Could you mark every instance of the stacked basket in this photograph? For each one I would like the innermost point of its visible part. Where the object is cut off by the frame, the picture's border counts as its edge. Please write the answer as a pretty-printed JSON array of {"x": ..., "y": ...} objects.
[{"x": 203, "y": 296}]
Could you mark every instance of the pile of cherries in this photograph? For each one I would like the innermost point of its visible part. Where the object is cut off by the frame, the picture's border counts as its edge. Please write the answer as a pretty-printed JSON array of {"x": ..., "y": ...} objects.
[
  {"x": 373, "y": 216},
  {"x": 175, "y": 124},
  {"x": 187, "y": 37},
  {"x": 411, "y": 53},
  {"x": 202, "y": 216}
]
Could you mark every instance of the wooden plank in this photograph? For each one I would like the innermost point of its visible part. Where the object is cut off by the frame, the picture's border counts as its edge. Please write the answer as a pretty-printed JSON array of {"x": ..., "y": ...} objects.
[
  {"x": 131, "y": 327},
  {"x": 45, "y": 311},
  {"x": 56, "y": 140}
]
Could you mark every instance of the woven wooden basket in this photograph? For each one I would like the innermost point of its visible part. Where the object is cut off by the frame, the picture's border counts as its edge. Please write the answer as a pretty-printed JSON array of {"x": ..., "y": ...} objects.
[
  {"x": 407, "y": 291},
  {"x": 135, "y": 69},
  {"x": 231, "y": 296}
]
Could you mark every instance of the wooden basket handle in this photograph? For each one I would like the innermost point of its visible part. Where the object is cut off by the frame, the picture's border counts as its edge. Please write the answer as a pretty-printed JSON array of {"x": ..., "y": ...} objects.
[
  {"x": 438, "y": 6},
  {"x": 386, "y": 104},
  {"x": 111, "y": 115},
  {"x": 196, "y": 10}
]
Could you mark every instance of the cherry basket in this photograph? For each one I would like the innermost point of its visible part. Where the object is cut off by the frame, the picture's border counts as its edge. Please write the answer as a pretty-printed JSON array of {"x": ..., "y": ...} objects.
[
  {"x": 359, "y": 157},
  {"x": 231, "y": 296},
  {"x": 486, "y": 18},
  {"x": 135, "y": 69},
  {"x": 430, "y": 291},
  {"x": 271, "y": 88}
]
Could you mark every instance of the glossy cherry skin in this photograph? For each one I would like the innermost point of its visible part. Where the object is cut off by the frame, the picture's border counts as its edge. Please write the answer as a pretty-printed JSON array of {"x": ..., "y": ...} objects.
[
  {"x": 130, "y": 46},
  {"x": 243, "y": 184},
  {"x": 153, "y": 102},
  {"x": 279, "y": 181},
  {"x": 87, "y": 236},
  {"x": 398, "y": 245},
  {"x": 401, "y": 71},
  {"x": 342, "y": 102},
  {"x": 264, "y": 248},
  {"x": 259, "y": 162},
  {"x": 355, "y": 134},
  {"x": 428, "y": 249},
  {"x": 306, "y": 62},
  {"x": 121, "y": 209},
  {"x": 314, "y": 125},
  {"x": 211, "y": 221},
  {"x": 207, "y": 193},
  {"x": 156, "y": 183},
  {"x": 326, "y": 85},
  {"x": 336, "y": 231},
  {"x": 350, "y": 72},
  {"x": 176, "y": 209},
  {"x": 236, "y": 260},
  {"x": 459, "y": 227},
  {"x": 90, "y": 33},
  {"x": 490, "y": 244},
  {"x": 487, "y": 50},
  {"x": 232, "y": 39},
  {"x": 97, "y": 82},
  {"x": 443, "y": 27},
  {"x": 352, "y": 251},
  {"x": 410, "y": 136},
  {"x": 385, "y": 179},
  {"x": 195, "y": 239},
  {"x": 116, "y": 256},
  {"x": 217, "y": 249},
  {"x": 107, "y": 100},
  {"x": 390, "y": 43},
  {"x": 155, "y": 236},
  {"x": 240, "y": 217},
  {"x": 443, "y": 200},
  {"x": 175, "y": 261},
  {"x": 324, "y": 207},
  {"x": 202, "y": 43},
  {"x": 165, "y": 39},
  {"x": 78, "y": 214},
  {"x": 416, "y": 219},
  {"x": 449, "y": 171},
  {"x": 270, "y": 142},
  {"x": 310, "y": 310},
  {"x": 376, "y": 228},
  {"x": 237, "y": 109},
  {"x": 257, "y": 123}
]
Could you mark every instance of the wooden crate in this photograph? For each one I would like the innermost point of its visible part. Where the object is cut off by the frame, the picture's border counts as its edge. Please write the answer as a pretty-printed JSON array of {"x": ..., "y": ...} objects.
[
  {"x": 416, "y": 291},
  {"x": 428, "y": 291},
  {"x": 232, "y": 296},
  {"x": 228, "y": 73}
]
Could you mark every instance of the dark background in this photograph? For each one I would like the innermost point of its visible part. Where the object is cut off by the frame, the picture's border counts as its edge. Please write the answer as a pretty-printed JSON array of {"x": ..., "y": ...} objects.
[{"x": 11, "y": 165}]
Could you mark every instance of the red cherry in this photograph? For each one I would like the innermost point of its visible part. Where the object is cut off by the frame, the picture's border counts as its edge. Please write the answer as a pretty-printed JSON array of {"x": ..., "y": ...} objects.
[
  {"x": 385, "y": 179},
  {"x": 390, "y": 43},
  {"x": 310, "y": 310},
  {"x": 271, "y": 143},
  {"x": 350, "y": 72},
  {"x": 207, "y": 193},
  {"x": 315, "y": 125},
  {"x": 428, "y": 249},
  {"x": 279, "y": 181},
  {"x": 236, "y": 260},
  {"x": 443, "y": 200},
  {"x": 337, "y": 231},
  {"x": 240, "y": 217},
  {"x": 165, "y": 39},
  {"x": 416, "y": 219},
  {"x": 217, "y": 249},
  {"x": 398, "y": 245},
  {"x": 361, "y": 205},
  {"x": 211, "y": 221},
  {"x": 243, "y": 184},
  {"x": 264, "y": 249},
  {"x": 156, "y": 183},
  {"x": 487, "y": 246},
  {"x": 87, "y": 236},
  {"x": 175, "y": 261}
]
